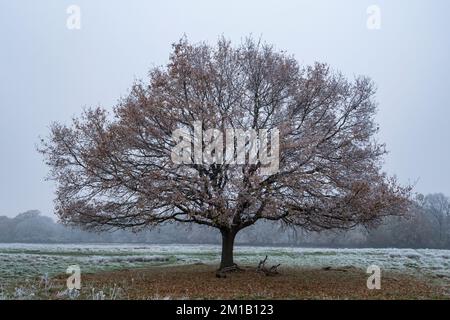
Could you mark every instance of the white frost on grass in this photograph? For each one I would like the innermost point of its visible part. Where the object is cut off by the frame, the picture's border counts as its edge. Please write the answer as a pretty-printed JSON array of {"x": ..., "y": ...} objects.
[{"x": 19, "y": 261}]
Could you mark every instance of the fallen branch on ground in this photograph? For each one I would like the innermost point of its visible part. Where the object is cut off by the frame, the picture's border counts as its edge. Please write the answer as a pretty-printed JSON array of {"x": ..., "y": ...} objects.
[{"x": 273, "y": 270}]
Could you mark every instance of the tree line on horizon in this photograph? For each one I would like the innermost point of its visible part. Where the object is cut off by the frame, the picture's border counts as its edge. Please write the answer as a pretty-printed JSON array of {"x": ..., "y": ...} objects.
[{"x": 427, "y": 226}]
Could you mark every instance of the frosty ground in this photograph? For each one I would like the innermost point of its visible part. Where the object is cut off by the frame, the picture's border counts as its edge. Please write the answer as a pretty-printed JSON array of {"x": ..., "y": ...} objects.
[{"x": 24, "y": 264}]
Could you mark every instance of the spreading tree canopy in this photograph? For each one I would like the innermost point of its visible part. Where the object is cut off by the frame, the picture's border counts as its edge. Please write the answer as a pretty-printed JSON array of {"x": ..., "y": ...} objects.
[{"x": 116, "y": 170}]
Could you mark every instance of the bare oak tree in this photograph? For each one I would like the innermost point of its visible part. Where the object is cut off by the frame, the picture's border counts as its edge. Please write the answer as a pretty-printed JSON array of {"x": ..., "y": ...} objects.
[{"x": 115, "y": 170}]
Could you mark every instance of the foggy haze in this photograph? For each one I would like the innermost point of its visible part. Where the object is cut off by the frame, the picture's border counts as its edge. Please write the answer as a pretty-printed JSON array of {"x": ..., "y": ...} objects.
[{"x": 49, "y": 73}]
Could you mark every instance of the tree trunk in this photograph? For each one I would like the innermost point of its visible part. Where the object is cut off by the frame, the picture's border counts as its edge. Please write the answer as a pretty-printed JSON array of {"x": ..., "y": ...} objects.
[{"x": 227, "y": 248}]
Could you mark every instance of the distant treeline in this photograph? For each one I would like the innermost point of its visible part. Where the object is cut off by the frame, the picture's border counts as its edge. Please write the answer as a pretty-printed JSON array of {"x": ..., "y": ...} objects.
[{"x": 426, "y": 226}]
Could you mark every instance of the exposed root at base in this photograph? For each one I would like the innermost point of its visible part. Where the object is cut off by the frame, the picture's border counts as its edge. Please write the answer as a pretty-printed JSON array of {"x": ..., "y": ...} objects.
[
  {"x": 262, "y": 268},
  {"x": 221, "y": 273}
]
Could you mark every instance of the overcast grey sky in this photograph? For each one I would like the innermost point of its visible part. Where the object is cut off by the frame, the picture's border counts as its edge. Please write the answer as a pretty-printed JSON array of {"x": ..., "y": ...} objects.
[{"x": 49, "y": 72}]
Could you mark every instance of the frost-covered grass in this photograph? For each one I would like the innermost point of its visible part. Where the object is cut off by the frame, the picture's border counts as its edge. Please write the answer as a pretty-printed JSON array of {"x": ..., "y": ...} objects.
[{"x": 19, "y": 262}]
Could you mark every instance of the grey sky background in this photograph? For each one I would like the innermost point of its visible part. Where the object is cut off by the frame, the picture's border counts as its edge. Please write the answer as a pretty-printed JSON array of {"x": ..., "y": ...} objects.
[{"x": 49, "y": 73}]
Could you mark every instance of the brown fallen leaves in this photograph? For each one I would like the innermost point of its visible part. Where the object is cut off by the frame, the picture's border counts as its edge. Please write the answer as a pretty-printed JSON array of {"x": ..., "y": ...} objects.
[{"x": 199, "y": 282}]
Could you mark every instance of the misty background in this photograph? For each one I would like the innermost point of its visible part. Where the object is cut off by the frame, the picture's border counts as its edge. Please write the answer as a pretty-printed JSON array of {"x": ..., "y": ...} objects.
[
  {"x": 49, "y": 73},
  {"x": 426, "y": 226}
]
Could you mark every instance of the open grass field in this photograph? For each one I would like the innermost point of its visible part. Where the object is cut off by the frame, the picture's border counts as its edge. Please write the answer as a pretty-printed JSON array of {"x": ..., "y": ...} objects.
[{"x": 187, "y": 271}]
